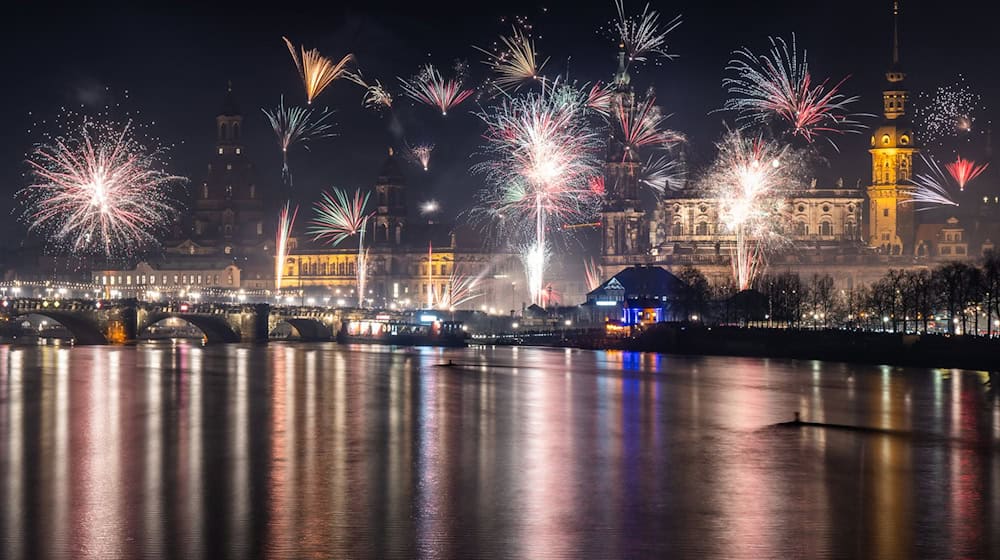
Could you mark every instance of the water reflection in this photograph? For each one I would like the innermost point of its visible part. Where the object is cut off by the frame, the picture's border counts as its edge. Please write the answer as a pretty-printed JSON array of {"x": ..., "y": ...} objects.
[{"x": 297, "y": 450}]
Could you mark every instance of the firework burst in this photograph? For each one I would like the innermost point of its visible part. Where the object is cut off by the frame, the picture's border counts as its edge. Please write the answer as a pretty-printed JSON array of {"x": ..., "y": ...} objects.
[
  {"x": 339, "y": 217},
  {"x": 641, "y": 125},
  {"x": 599, "y": 99},
  {"x": 662, "y": 173},
  {"x": 286, "y": 220},
  {"x": 543, "y": 156},
  {"x": 420, "y": 154},
  {"x": 293, "y": 125},
  {"x": 965, "y": 170},
  {"x": 430, "y": 88},
  {"x": 593, "y": 274},
  {"x": 377, "y": 97},
  {"x": 641, "y": 36},
  {"x": 931, "y": 186},
  {"x": 779, "y": 86},
  {"x": 751, "y": 179},
  {"x": 99, "y": 189},
  {"x": 316, "y": 70},
  {"x": 952, "y": 110},
  {"x": 461, "y": 289},
  {"x": 516, "y": 63},
  {"x": 534, "y": 257}
]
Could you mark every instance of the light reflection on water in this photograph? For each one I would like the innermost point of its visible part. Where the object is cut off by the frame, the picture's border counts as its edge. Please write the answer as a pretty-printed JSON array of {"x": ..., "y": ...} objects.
[{"x": 293, "y": 451}]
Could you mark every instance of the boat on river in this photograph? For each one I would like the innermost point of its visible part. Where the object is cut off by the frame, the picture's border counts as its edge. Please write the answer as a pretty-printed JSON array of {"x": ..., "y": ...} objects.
[{"x": 397, "y": 332}]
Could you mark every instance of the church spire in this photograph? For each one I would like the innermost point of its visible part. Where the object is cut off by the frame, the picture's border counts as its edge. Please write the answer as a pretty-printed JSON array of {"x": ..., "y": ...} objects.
[{"x": 895, "y": 73}]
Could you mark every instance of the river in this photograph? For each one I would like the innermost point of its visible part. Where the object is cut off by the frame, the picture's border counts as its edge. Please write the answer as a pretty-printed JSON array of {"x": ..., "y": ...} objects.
[{"x": 318, "y": 450}]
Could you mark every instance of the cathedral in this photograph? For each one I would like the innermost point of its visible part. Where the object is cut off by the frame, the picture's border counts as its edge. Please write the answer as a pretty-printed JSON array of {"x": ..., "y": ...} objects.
[{"x": 852, "y": 234}]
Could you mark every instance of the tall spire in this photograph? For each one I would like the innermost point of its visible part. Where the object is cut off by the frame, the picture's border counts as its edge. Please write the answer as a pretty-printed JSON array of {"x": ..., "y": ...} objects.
[
  {"x": 895, "y": 73},
  {"x": 895, "y": 33},
  {"x": 622, "y": 78}
]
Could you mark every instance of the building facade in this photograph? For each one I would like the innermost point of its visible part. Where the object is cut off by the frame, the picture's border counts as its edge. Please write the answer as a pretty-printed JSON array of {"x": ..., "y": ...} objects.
[
  {"x": 409, "y": 264},
  {"x": 852, "y": 234}
]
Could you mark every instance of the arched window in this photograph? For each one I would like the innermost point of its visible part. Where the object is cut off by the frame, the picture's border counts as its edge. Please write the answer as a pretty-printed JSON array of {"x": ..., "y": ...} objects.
[
  {"x": 676, "y": 229},
  {"x": 701, "y": 228},
  {"x": 223, "y": 131},
  {"x": 236, "y": 131},
  {"x": 801, "y": 228},
  {"x": 825, "y": 228}
]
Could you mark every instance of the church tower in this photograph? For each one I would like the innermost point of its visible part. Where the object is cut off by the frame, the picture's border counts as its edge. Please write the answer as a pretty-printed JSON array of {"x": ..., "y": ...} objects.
[
  {"x": 228, "y": 211},
  {"x": 891, "y": 226},
  {"x": 390, "y": 200},
  {"x": 622, "y": 217}
]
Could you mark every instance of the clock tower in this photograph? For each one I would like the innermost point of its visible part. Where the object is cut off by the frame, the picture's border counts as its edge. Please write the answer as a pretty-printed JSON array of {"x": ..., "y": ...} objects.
[{"x": 891, "y": 225}]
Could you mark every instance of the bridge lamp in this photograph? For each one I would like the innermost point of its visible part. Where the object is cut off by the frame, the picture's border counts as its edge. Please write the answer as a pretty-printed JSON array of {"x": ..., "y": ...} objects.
[
  {"x": 242, "y": 298},
  {"x": 340, "y": 303},
  {"x": 311, "y": 301}
]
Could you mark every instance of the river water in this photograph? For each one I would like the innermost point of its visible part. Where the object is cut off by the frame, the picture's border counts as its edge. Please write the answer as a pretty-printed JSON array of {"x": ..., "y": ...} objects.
[{"x": 326, "y": 451}]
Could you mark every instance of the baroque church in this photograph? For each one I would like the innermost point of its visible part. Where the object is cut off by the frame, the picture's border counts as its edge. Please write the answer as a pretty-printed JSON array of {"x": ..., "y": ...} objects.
[{"x": 851, "y": 234}]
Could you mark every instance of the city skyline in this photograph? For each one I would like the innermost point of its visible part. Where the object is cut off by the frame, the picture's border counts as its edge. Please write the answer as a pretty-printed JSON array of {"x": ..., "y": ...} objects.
[{"x": 677, "y": 82}]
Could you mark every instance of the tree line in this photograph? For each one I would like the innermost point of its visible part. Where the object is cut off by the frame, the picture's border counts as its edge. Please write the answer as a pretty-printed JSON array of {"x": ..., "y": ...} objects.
[{"x": 956, "y": 297}]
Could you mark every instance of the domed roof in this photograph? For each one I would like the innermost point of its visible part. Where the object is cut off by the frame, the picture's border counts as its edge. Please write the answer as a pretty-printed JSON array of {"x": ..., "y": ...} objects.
[{"x": 893, "y": 134}]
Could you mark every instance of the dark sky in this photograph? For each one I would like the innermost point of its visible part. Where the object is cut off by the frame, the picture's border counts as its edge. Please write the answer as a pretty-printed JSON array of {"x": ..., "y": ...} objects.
[{"x": 175, "y": 59}]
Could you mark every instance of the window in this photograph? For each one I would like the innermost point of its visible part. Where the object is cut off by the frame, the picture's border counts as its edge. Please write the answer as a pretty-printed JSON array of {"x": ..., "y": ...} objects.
[
  {"x": 885, "y": 139},
  {"x": 228, "y": 249},
  {"x": 253, "y": 191},
  {"x": 826, "y": 208},
  {"x": 204, "y": 190},
  {"x": 801, "y": 228},
  {"x": 885, "y": 212},
  {"x": 825, "y": 228},
  {"x": 229, "y": 167},
  {"x": 945, "y": 250},
  {"x": 229, "y": 191},
  {"x": 960, "y": 250},
  {"x": 701, "y": 229},
  {"x": 260, "y": 225},
  {"x": 676, "y": 229},
  {"x": 164, "y": 279},
  {"x": 239, "y": 151},
  {"x": 220, "y": 151},
  {"x": 885, "y": 236}
]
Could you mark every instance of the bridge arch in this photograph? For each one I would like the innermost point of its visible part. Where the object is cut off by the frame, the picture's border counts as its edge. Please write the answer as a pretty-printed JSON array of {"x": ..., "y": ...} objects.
[
  {"x": 307, "y": 328},
  {"x": 215, "y": 328},
  {"x": 84, "y": 330}
]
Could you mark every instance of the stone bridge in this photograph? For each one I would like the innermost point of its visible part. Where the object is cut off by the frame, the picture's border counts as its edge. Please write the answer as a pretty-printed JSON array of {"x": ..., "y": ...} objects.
[{"x": 120, "y": 321}]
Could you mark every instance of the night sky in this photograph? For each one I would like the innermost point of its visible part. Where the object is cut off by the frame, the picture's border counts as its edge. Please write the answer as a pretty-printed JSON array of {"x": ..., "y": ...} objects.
[{"x": 175, "y": 60}]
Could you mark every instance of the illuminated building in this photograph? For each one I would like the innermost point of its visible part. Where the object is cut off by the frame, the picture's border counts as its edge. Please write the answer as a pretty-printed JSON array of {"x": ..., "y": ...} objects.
[{"x": 854, "y": 235}]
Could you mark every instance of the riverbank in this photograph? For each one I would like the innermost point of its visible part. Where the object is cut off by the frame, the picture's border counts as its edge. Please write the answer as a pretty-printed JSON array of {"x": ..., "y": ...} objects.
[{"x": 939, "y": 351}]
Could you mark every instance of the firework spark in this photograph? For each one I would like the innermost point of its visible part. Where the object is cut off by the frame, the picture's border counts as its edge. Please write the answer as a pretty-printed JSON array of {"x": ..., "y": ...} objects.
[
  {"x": 599, "y": 99},
  {"x": 339, "y": 217},
  {"x": 516, "y": 64},
  {"x": 642, "y": 125},
  {"x": 316, "y": 70},
  {"x": 377, "y": 97},
  {"x": 778, "y": 85},
  {"x": 662, "y": 173},
  {"x": 751, "y": 179},
  {"x": 534, "y": 257},
  {"x": 931, "y": 186},
  {"x": 429, "y": 207},
  {"x": 641, "y": 36},
  {"x": 420, "y": 154},
  {"x": 593, "y": 274},
  {"x": 965, "y": 170},
  {"x": 461, "y": 289},
  {"x": 543, "y": 158},
  {"x": 286, "y": 220},
  {"x": 429, "y": 88},
  {"x": 952, "y": 110},
  {"x": 294, "y": 125},
  {"x": 99, "y": 189}
]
